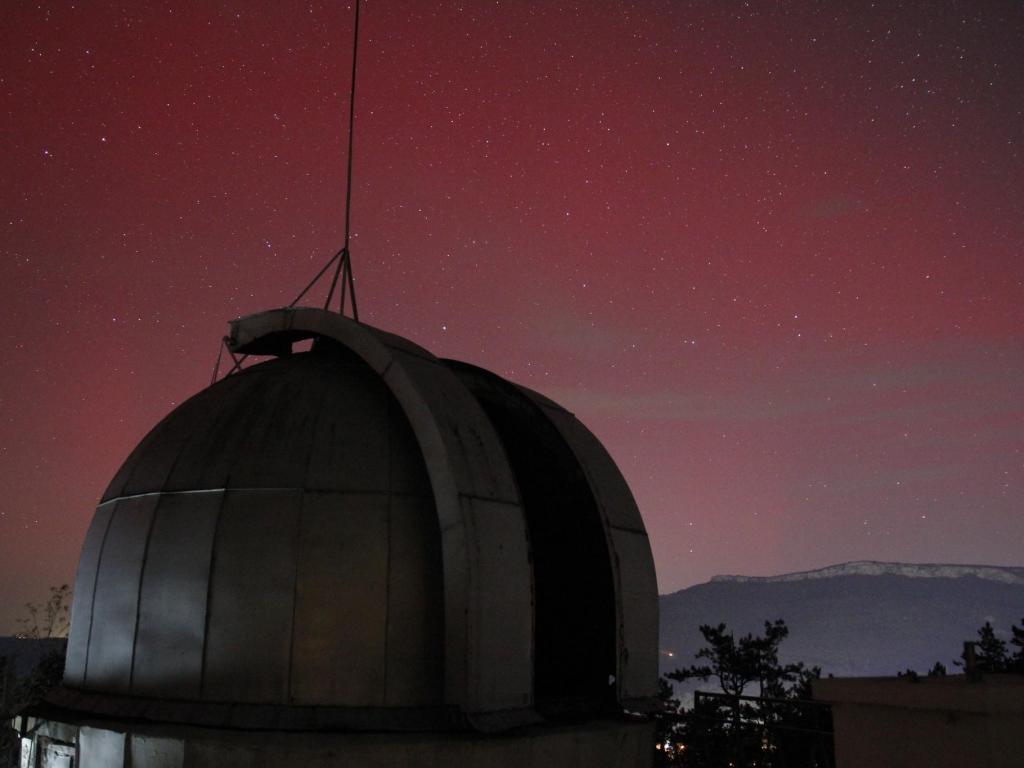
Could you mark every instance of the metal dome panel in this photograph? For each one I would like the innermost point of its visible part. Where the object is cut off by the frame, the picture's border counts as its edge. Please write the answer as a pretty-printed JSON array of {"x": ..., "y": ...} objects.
[
  {"x": 171, "y": 633},
  {"x": 279, "y": 546}
]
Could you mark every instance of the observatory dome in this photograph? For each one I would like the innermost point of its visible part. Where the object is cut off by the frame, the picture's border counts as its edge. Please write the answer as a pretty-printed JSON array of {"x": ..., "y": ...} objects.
[{"x": 362, "y": 536}]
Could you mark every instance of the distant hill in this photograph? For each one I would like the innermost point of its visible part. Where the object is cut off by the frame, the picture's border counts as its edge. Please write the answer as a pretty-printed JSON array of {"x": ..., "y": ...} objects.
[{"x": 854, "y": 619}]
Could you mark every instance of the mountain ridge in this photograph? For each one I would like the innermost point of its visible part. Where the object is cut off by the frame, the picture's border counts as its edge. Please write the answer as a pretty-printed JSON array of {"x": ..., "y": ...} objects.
[
  {"x": 864, "y": 618},
  {"x": 1006, "y": 574}
]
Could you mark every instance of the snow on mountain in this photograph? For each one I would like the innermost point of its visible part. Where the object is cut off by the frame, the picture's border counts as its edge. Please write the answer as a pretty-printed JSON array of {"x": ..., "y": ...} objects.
[{"x": 1004, "y": 574}]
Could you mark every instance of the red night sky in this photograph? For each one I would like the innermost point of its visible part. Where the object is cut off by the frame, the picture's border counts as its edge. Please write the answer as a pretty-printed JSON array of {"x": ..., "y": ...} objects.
[{"x": 771, "y": 253}]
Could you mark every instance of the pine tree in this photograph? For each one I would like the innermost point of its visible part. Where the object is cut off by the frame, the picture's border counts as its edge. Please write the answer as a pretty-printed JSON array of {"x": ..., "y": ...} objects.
[
  {"x": 738, "y": 732},
  {"x": 1016, "y": 661},
  {"x": 989, "y": 652}
]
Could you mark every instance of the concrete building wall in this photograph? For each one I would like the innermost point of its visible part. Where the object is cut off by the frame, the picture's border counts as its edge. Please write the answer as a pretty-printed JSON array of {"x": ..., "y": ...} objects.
[
  {"x": 949, "y": 722},
  {"x": 603, "y": 744}
]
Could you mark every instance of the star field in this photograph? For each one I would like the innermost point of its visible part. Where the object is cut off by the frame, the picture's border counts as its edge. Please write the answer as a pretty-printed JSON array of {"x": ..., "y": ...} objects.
[{"x": 771, "y": 253}]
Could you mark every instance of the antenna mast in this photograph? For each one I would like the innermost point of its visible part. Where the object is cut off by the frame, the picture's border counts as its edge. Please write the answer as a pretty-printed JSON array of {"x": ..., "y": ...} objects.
[
  {"x": 343, "y": 267},
  {"x": 342, "y": 260}
]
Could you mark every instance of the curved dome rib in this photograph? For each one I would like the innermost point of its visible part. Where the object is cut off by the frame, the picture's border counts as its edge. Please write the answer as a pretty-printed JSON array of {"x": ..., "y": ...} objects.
[{"x": 485, "y": 552}]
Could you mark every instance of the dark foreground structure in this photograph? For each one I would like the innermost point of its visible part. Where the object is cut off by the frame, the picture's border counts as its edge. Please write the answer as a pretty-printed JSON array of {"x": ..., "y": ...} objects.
[
  {"x": 956, "y": 721},
  {"x": 358, "y": 555}
]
